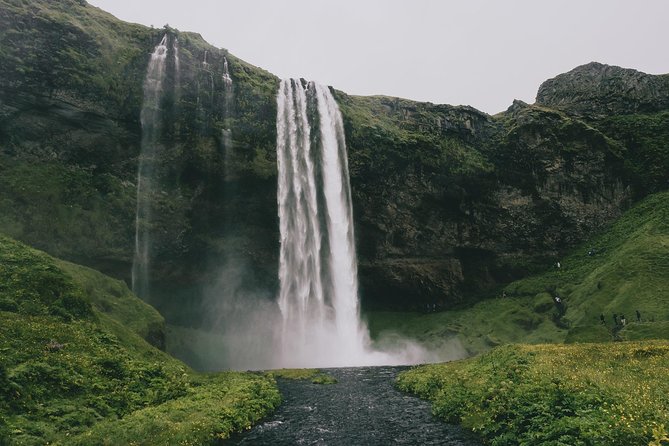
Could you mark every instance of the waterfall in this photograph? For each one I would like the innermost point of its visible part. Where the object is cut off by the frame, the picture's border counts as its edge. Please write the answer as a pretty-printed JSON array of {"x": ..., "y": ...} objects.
[
  {"x": 318, "y": 294},
  {"x": 227, "y": 80},
  {"x": 151, "y": 130},
  {"x": 177, "y": 67},
  {"x": 226, "y": 132},
  {"x": 177, "y": 64}
]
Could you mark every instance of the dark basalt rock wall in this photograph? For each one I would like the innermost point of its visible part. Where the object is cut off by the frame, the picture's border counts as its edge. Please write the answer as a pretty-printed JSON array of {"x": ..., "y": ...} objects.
[
  {"x": 598, "y": 90},
  {"x": 451, "y": 211},
  {"x": 449, "y": 202}
]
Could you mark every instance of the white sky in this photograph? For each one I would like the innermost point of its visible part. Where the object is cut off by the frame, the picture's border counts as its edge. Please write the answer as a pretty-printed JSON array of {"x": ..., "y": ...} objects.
[{"x": 482, "y": 53}]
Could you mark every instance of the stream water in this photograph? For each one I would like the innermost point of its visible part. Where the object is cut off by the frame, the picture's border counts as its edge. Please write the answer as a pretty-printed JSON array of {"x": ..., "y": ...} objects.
[{"x": 363, "y": 408}]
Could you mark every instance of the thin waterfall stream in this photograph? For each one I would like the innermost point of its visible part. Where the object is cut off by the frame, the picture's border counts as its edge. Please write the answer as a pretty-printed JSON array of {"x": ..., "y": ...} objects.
[
  {"x": 151, "y": 119},
  {"x": 151, "y": 129}
]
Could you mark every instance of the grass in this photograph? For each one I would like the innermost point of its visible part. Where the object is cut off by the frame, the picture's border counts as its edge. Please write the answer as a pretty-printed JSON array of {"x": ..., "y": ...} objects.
[
  {"x": 585, "y": 394},
  {"x": 478, "y": 328},
  {"x": 213, "y": 407},
  {"x": 629, "y": 272},
  {"x": 112, "y": 298},
  {"x": 314, "y": 375},
  {"x": 73, "y": 372}
]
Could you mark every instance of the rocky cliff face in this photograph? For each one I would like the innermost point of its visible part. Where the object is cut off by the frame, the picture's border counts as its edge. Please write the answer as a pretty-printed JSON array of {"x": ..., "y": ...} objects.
[
  {"x": 449, "y": 202},
  {"x": 597, "y": 90},
  {"x": 470, "y": 201}
]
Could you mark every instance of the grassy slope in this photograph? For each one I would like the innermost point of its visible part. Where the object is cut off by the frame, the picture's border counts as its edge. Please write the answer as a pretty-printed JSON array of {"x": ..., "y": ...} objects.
[
  {"x": 629, "y": 272},
  {"x": 585, "y": 394},
  {"x": 75, "y": 370}
]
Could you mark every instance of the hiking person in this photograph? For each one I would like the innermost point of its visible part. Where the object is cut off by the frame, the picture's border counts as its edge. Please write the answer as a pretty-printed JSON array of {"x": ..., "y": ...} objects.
[{"x": 638, "y": 316}]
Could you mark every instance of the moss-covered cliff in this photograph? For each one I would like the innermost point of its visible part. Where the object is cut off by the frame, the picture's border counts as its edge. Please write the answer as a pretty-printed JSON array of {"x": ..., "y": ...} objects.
[{"x": 449, "y": 202}]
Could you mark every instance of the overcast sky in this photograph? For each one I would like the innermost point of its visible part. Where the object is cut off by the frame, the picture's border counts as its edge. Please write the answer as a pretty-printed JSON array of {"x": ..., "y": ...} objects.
[{"x": 482, "y": 53}]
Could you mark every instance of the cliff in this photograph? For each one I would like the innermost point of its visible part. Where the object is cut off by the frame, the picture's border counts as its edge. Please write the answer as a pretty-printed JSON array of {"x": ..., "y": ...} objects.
[{"x": 449, "y": 202}]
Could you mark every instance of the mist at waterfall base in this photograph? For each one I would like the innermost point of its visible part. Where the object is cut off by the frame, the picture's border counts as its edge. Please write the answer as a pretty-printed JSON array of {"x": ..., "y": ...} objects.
[
  {"x": 244, "y": 329},
  {"x": 316, "y": 320}
]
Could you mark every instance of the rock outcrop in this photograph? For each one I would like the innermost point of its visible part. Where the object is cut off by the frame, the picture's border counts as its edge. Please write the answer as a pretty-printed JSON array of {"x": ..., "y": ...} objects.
[{"x": 598, "y": 90}]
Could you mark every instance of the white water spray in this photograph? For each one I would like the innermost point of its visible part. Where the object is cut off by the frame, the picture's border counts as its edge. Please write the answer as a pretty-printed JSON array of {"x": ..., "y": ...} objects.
[
  {"x": 150, "y": 119},
  {"x": 226, "y": 132},
  {"x": 318, "y": 294},
  {"x": 227, "y": 80}
]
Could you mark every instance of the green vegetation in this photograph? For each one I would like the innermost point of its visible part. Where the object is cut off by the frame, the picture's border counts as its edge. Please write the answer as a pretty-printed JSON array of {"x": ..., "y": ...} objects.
[
  {"x": 646, "y": 137},
  {"x": 314, "y": 375},
  {"x": 576, "y": 395},
  {"x": 214, "y": 407},
  {"x": 628, "y": 271},
  {"x": 389, "y": 135},
  {"x": 478, "y": 328},
  {"x": 115, "y": 304},
  {"x": 71, "y": 50},
  {"x": 52, "y": 204},
  {"x": 74, "y": 368}
]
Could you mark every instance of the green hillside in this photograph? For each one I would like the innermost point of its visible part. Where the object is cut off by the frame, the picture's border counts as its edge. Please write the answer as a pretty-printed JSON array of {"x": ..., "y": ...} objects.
[
  {"x": 75, "y": 367},
  {"x": 628, "y": 271}
]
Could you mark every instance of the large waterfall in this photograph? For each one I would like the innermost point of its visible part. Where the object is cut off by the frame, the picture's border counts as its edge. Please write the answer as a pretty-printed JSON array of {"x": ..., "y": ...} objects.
[
  {"x": 318, "y": 273},
  {"x": 318, "y": 294}
]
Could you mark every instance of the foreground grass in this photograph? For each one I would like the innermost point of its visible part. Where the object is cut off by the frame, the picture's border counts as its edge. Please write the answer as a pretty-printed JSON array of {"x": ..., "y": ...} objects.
[
  {"x": 75, "y": 367},
  {"x": 582, "y": 394},
  {"x": 212, "y": 408}
]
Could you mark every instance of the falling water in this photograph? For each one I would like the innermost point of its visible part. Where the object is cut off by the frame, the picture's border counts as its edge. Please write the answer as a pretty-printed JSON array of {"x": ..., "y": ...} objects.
[
  {"x": 151, "y": 128},
  {"x": 318, "y": 294},
  {"x": 318, "y": 273},
  {"x": 226, "y": 133},
  {"x": 177, "y": 67},
  {"x": 227, "y": 80}
]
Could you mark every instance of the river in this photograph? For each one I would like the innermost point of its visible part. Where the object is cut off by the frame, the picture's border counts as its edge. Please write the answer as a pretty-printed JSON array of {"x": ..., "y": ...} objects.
[{"x": 362, "y": 409}]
